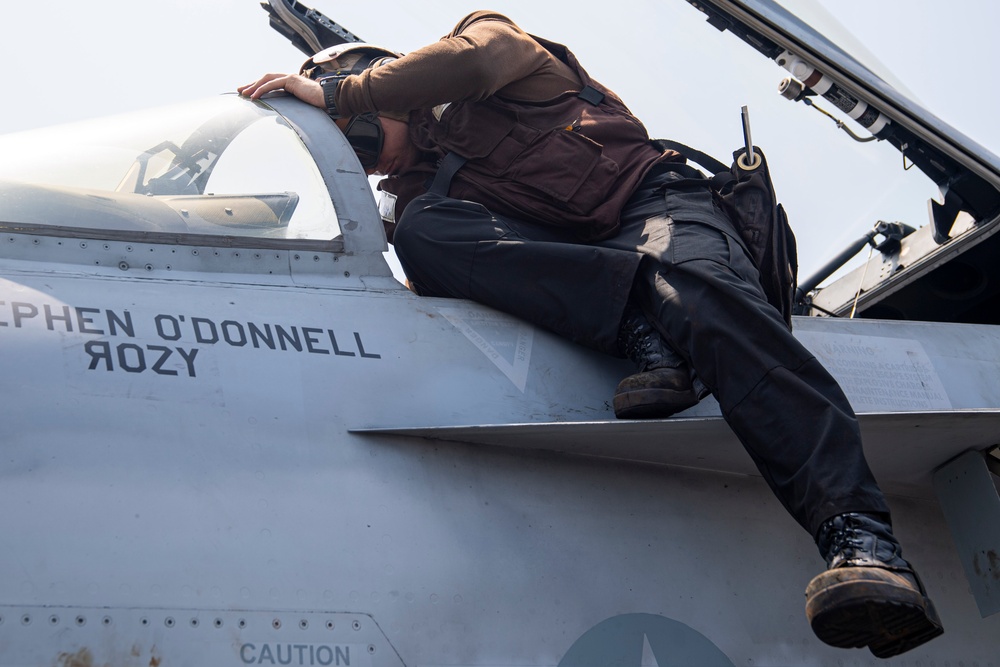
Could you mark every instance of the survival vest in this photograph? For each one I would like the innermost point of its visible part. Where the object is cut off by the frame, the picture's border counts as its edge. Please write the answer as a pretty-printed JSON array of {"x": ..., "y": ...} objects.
[{"x": 571, "y": 162}]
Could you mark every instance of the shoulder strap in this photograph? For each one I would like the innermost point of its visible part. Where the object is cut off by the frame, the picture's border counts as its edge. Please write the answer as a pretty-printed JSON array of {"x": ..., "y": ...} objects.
[
  {"x": 704, "y": 159},
  {"x": 450, "y": 164}
]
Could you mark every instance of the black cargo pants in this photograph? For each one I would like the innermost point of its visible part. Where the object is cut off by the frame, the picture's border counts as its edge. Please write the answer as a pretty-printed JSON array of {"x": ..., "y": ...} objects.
[{"x": 682, "y": 261}]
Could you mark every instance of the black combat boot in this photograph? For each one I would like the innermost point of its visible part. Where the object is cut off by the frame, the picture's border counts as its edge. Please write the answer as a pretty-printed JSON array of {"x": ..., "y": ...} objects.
[
  {"x": 663, "y": 384},
  {"x": 869, "y": 596}
]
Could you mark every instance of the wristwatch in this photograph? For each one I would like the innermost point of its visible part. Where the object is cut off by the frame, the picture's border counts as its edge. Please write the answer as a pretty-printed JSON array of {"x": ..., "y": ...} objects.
[{"x": 329, "y": 86}]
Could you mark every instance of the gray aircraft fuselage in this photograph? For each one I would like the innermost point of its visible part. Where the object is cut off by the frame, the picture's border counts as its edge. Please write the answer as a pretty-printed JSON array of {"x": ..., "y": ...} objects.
[{"x": 232, "y": 437}]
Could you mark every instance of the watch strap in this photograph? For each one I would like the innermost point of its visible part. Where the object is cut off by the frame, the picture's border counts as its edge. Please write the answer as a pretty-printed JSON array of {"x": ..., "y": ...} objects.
[{"x": 329, "y": 86}]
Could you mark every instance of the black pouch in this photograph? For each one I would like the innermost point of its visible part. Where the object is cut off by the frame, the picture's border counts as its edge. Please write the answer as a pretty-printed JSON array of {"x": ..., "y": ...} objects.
[{"x": 746, "y": 194}]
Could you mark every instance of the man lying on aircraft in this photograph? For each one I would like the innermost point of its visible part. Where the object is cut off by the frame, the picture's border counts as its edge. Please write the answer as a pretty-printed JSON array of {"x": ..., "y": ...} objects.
[{"x": 517, "y": 181}]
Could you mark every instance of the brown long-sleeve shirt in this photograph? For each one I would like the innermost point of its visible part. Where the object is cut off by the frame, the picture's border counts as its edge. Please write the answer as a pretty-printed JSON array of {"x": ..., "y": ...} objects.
[{"x": 486, "y": 54}]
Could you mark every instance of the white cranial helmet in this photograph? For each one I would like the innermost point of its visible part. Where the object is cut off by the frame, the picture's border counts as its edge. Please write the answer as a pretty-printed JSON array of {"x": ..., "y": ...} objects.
[{"x": 348, "y": 58}]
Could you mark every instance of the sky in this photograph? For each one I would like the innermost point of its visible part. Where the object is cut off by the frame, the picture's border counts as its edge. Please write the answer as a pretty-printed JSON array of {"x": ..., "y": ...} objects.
[{"x": 65, "y": 60}]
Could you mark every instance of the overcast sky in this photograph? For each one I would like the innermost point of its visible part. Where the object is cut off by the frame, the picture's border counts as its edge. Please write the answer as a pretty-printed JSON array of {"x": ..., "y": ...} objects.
[{"x": 64, "y": 60}]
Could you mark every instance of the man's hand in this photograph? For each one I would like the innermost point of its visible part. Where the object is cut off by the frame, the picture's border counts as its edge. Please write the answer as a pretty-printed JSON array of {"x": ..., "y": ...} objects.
[{"x": 301, "y": 87}]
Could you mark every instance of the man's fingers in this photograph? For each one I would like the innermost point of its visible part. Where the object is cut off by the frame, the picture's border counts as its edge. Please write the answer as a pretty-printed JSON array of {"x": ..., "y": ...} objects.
[
  {"x": 302, "y": 87},
  {"x": 264, "y": 84}
]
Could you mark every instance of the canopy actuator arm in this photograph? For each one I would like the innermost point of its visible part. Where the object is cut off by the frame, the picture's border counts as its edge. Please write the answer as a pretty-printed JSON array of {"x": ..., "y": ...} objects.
[{"x": 893, "y": 233}]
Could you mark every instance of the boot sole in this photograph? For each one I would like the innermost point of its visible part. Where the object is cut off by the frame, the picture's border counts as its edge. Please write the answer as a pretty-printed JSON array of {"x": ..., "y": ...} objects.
[
  {"x": 652, "y": 403},
  {"x": 853, "y": 607}
]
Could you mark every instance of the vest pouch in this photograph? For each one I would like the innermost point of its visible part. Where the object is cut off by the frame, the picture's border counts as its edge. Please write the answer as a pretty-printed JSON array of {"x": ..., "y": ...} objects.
[
  {"x": 471, "y": 135},
  {"x": 586, "y": 176},
  {"x": 496, "y": 143}
]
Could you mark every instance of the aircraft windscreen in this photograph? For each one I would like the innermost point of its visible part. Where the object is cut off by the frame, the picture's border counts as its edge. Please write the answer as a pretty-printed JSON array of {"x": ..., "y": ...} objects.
[{"x": 223, "y": 166}]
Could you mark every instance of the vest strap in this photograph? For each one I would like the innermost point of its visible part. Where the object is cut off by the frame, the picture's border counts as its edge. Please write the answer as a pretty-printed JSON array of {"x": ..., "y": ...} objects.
[
  {"x": 591, "y": 95},
  {"x": 701, "y": 158},
  {"x": 450, "y": 164}
]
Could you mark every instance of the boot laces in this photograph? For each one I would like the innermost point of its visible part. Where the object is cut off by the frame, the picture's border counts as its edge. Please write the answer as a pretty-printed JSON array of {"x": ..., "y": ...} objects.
[
  {"x": 637, "y": 341},
  {"x": 848, "y": 544},
  {"x": 856, "y": 542}
]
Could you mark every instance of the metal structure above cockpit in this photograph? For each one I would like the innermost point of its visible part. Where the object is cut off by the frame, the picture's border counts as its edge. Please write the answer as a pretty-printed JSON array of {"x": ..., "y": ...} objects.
[{"x": 942, "y": 271}]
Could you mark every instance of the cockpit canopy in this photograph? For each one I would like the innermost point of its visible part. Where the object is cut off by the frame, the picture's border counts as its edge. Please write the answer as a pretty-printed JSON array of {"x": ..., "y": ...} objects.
[{"x": 223, "y": 166}]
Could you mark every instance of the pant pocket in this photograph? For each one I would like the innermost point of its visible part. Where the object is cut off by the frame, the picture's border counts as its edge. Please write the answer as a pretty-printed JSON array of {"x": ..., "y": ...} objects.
[{"x": 698, "y": 241}]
